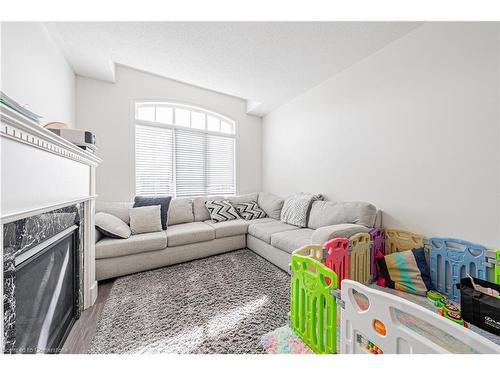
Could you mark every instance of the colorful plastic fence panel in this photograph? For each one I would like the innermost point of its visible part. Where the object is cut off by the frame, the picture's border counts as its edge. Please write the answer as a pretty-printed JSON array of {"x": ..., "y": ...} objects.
[
  {"x": 397, "y": 240},
  {"x": 398, "y": 326},
  {"x": 497, "y": 268},
  {"x": 337, "y": 257},
  {"x": 359, "y": 258},
  {"x": 451, "y": 259},
  {"x": 313, "y": 251},
  {"x": 313, "y": 308},
  {"x": 377, "y": 243}
]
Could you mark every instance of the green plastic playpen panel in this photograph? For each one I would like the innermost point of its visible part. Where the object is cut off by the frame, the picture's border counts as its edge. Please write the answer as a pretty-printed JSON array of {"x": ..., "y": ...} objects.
[{"x": 313, "y": 308}]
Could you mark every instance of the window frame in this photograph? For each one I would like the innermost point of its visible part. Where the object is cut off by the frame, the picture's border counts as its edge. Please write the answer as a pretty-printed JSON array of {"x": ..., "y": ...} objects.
[{"x": 192, "y": 107}]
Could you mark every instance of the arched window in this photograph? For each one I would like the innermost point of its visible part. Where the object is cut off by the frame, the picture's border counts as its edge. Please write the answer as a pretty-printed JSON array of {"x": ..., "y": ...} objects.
[{"x": 183, "y": 151}]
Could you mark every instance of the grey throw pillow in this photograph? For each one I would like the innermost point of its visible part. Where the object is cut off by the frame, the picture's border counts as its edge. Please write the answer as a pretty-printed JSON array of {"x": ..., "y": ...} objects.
[
  {"x": 145, "y": 219},
  {"x": 111, "y": 226}
]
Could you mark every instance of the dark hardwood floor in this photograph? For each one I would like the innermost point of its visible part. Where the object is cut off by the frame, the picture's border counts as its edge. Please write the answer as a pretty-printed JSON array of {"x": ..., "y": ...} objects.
[{"x": 78, "y": 341}]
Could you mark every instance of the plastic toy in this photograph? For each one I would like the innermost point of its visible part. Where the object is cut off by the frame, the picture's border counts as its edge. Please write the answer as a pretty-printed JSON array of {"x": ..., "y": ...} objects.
[
  {"x": 359, "y": 258},
  {"x": 397, "y": 326},
  {"x": 451, "y": 312},
  {"x": 367, "y": 345},
  {"x": 377, "y": 243},
  {"x": 450, "y": 260},
  {"x": 313, "y": 307},
  {"x": 435, "y": 297},
  {"x": 337, "y": 257},
  {"x": 397, "y": 240}
]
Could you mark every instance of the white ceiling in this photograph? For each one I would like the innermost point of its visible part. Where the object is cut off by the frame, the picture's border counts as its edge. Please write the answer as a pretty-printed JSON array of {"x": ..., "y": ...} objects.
[{"x": 266, "y": 63}]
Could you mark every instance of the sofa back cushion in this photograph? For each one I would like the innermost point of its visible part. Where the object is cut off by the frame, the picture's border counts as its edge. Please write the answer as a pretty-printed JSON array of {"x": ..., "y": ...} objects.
[
  {"x": 180, "y": 211},
  {"x": 118, "y": 209},
  {"x": 245, "y": 198},
  {"x": 324, "y": 213},
  {"x": 200, "y": 210},
  {"x": 271, "y": 204}
]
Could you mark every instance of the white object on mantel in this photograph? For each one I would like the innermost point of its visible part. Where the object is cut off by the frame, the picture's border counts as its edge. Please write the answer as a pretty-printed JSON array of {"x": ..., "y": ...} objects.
[{"x": 41, "y": 171}]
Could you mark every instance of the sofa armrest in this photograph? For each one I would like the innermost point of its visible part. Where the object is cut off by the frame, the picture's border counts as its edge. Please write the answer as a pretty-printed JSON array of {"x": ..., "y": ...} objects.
[
  {"x": 378, "y": 219},
  {"x": 98, "y": 236},
  {"x": 323, "y": 234}
]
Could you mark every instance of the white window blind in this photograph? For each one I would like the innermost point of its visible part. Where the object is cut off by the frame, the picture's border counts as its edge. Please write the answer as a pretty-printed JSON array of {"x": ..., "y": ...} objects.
[
  {"x": 154, "y": 160},
  {"x": 183, "y": 151}
]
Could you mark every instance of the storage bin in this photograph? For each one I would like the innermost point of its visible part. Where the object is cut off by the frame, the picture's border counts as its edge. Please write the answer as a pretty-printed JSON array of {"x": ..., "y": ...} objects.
[{"x": 478, "y": 308}]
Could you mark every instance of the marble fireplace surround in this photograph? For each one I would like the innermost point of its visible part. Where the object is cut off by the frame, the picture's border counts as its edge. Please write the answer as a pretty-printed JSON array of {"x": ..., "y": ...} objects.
[
  {"x": 43, "y": 177},
  {"x": 22, "y": 235}
]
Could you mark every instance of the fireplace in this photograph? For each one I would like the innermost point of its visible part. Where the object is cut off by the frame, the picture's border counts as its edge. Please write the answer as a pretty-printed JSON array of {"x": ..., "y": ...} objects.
[
  {"x": 42, "y": 286},
  {"x": 48, "y": 186},
  {"x": 46, "y": 290}
]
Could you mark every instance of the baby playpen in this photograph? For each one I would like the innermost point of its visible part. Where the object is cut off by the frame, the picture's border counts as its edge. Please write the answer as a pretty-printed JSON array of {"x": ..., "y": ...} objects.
[
  {"x": 371, "y": 321},
  {"x": 374, "y": 321}
]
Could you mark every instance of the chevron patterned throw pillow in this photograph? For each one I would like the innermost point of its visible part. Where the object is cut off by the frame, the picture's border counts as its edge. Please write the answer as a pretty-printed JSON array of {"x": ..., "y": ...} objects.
[
  {"x": 221, "y": 211},
  {"x": 250, "y": 210}
]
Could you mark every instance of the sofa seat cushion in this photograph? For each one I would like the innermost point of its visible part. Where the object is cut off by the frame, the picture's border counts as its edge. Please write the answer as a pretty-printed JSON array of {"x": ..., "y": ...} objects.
[
  {"x": 263, "y": 220},
  {"x": 183, "y": 234},
  {"x": 264, "y": 231},
  {"x": 138, "y": 243},
  {"x": 292, "y": 240},
  {"x": 323, "y": 234},
  {"x": 229, "y": 228}
]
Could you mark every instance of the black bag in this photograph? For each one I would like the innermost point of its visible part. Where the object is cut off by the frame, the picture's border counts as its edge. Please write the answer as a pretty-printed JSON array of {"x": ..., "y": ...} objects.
[{"x": 478, "y": 308}]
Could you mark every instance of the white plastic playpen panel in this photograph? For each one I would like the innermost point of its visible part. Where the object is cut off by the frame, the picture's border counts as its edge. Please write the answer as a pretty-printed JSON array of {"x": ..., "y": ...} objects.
[{"x": 409, "y": 328}]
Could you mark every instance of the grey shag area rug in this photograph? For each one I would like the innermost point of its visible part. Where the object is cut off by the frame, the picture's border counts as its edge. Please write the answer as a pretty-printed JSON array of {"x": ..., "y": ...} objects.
[{"x": 222, "y": 304}]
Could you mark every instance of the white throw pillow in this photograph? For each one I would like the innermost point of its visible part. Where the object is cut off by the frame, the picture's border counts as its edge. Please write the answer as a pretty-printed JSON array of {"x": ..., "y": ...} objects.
[
  {"x": 221, "y": 211},
  {"x": 145, "y": 219},
  {"x": 111, "y": 226}
]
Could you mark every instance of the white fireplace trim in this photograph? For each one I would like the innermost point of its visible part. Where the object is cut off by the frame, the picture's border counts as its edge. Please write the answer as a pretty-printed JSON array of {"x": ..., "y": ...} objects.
[
  {"x": 16, "y": 215},
  {"x": 26, "y": 131}
]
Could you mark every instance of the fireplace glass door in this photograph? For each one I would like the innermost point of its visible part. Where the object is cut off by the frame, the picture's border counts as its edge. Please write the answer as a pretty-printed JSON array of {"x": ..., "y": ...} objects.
[{"x": 46, "y": 296}]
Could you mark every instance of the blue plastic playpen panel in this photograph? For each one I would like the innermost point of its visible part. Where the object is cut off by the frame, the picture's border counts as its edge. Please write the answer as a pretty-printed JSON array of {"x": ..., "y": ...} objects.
[{"x": 451, "y": 259}]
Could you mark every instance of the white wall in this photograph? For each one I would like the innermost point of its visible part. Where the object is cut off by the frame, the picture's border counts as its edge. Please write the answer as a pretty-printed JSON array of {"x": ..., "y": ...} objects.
[
  {"x": 413, "y": 128},
  {"x": 105, "y": 108},
  {"x": 35, "y": 72}
]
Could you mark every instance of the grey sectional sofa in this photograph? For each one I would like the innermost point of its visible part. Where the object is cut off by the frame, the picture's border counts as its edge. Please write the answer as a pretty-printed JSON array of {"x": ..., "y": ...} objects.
[{"x": 192, "y": 235}]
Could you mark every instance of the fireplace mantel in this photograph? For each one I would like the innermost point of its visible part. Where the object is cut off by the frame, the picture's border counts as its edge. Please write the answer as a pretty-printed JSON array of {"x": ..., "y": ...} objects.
[{"x": 40, "y": 172}]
